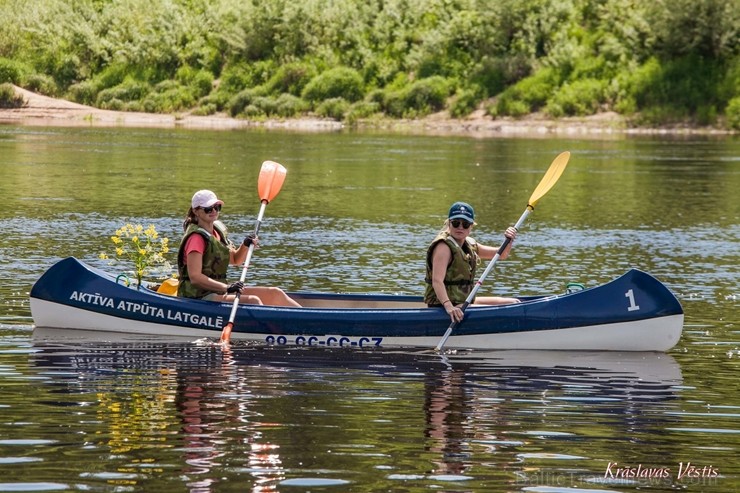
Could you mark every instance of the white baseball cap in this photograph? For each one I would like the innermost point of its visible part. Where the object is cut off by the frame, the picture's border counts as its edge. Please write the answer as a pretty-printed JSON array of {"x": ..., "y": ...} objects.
[{"x": 205, "y": 198}]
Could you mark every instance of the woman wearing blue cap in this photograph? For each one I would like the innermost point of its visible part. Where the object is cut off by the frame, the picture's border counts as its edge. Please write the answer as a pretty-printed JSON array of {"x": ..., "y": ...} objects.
[{"x": 451, "y": 262}]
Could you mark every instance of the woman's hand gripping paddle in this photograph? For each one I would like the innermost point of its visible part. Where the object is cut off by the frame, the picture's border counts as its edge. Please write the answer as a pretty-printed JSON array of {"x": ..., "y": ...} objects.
[
  {"x": 272, "y": 176},
  {"x": 548, "y": 181}
]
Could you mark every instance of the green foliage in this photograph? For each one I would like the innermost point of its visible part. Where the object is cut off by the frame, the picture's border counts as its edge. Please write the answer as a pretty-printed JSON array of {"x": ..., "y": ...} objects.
[
  {"x": 465, "y": 102},
  {"x": 675, "y": 90},
  {"x": 83, "y": 92},
  {"x": 289, "y": 105},
  {"x": 238, "y": 103},
  {"x": 419, "y": 98},
  {"x": 291, "y": 78},
  {"x": 708, "y": 29},
  {"x": 339, "y": 82},
  {"x": 733, "y": 113},
  {"x": 128, "y": 90},
  {"x": 529, "y": 94},
  {"x": 580, "y": 98},
  {"x": 200, "y": 82},
  {"x": 42, "y": 84},
  {"x": 168, "y": 97},
  {"x": 205, "y": 109},
  {"x": 672, "y": 60},
  {"x": 428, "y": 95},
  {"x": 9, "y": 98},
  {"x": 12, "y": 71},
  {"x": 334, "y": 108},
  {"x": 361, "y": 110}
]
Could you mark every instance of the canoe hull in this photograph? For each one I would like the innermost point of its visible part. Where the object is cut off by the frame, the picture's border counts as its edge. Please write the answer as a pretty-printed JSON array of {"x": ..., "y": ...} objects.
[{"x": 632, "y": 313}]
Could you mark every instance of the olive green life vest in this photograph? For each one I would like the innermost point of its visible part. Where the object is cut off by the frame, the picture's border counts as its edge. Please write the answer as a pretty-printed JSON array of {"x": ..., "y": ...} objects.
[
  {"x": 460, "y": 274},
  {"x": 215, "y": 261}
]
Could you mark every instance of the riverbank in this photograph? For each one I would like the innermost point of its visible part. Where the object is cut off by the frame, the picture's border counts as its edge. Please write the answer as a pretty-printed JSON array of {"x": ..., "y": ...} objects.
[{"x": 41, "y": 110}]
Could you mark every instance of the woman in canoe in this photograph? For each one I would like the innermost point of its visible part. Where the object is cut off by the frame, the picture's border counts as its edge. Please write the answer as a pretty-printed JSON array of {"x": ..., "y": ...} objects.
[
  {"x": 205, "y": 254},
  {"x": 452, "y": 259}
]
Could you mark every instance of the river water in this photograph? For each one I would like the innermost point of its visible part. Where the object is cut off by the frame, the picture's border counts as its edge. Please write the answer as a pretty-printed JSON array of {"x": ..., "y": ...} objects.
[{"x": 83, "y": 412}]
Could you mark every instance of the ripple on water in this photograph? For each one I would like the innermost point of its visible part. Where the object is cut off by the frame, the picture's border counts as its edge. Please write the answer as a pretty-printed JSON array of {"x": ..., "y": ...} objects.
[
  {"x": 33, "y": 487},
  {"x": 308, "y": 482}
]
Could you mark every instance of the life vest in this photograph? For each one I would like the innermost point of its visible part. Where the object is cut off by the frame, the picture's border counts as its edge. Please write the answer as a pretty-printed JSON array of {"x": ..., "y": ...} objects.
[
  {"x": 215, "y": 261},
  {"x": 460, "y": 274}
]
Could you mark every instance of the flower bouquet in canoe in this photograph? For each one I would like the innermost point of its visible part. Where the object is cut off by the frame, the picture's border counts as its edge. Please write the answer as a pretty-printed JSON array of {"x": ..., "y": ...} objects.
[{"x": 143, "y": 248}]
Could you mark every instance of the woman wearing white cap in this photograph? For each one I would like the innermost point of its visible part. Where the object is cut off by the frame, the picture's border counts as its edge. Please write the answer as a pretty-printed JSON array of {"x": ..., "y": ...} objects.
[
  {"x": 205, "y": 254},
  {"x": 452, "y": 259}
]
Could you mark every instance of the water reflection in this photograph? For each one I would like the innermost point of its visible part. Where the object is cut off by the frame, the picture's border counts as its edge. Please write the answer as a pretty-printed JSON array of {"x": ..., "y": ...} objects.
[{"x": 259, "y": 416}]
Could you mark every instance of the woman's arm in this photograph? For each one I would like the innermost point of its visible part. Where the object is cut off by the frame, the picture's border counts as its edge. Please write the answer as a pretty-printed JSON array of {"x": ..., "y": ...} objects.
[
  {"x": 441, "y": 257},
  {"x": 488, "y": 252}
]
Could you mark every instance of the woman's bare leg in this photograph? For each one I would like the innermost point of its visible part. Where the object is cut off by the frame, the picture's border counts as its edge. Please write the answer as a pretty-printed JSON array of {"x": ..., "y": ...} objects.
[
  {"x": 495, "y": 300},
  {"x": 271, "y": 296}
]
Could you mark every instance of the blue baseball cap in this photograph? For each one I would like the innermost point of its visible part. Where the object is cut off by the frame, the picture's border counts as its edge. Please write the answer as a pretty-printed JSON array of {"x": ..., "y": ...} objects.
[{"x": 461, "y": 210}]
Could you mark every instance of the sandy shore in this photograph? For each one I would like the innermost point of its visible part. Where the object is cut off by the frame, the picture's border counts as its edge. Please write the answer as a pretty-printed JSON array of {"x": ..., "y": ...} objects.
[{"x": 45, "y": 111}]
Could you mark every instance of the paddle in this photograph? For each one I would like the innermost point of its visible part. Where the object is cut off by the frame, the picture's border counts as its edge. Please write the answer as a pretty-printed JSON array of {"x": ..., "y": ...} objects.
[
  {"x": 272, "y": 176},
  {"x": 551, "y": 177}
]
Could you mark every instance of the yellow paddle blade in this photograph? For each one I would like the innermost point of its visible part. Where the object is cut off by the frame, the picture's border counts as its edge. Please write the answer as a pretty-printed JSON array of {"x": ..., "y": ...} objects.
[
  {"x": 272, "y": 176},
  {"x": 551, "y": 177}
]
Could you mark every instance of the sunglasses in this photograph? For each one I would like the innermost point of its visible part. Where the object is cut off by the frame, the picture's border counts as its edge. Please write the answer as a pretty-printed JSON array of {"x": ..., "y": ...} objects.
[
  {"x": 208, "y": 210},
  {"x": 456, "y": 223}
]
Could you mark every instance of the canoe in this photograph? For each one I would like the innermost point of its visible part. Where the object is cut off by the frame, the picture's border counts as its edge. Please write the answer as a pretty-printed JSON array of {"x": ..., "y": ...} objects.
[{"x": 634, "y": 312}]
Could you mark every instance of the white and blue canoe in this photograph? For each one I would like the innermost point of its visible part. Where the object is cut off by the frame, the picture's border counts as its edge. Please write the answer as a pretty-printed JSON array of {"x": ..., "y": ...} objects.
[{"x": 634, "y": 312}]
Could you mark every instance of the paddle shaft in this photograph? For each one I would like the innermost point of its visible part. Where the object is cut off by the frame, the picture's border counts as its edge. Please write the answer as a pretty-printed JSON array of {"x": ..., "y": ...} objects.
[
  {"x": 482, "y": 278},
  {"x": 234, "y": 307}
]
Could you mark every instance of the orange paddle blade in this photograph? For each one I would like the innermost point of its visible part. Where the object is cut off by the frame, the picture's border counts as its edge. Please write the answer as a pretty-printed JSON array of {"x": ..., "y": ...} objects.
[
  {"x": 272, "y": 176},
  {"x": 551, "y": 177},
  {"x": 226, "y": 333}
]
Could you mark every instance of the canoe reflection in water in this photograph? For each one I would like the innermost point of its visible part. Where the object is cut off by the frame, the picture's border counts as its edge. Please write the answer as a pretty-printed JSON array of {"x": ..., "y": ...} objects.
[{"x": 261, "y": 416}]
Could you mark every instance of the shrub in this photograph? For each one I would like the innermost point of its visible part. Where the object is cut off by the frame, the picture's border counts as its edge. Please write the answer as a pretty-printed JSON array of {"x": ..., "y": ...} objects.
[
  {"x": 252, "y": 111},
  {"x": 340, "y": 82},
  {"x": 111, "y": 76},
  {"x": 289, "y": 105},
  {"x": 360, "y": 110},
  {"x": 168, "y": 97},
  {"x": 394, "y": 103},
  {"x": 236, "y": 78},
  {"x": 266, "y": 105},
  {"x": 532, "y": 91},
  {"x": 128, "y": 90},
  {"x": 334, "y": 108},
  {"x": 113, "y": 104},
  {"x": 12, "y": 71},
  {"x": 291, "y": 78},
  {"x": 42, "y": 84},
  {"x": 706, "y": 114},
  {"x": 427, "y": 95},
  {"x": 490, "y": 76},
  {"x": 84, "y": 92},
  {"x": 238, "y": 103},
  {"x": 465, "y": 102},
  {"x": 515, "y": 108},
  {"x": 9, "y": 98},
  {"x": 732, "y": 112},
  {"x": 582, "y": 97},
  {"x": 205, "y": 109},
  {"x": 200, "y": 82},
  {"x": 217, "y": 98}
]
